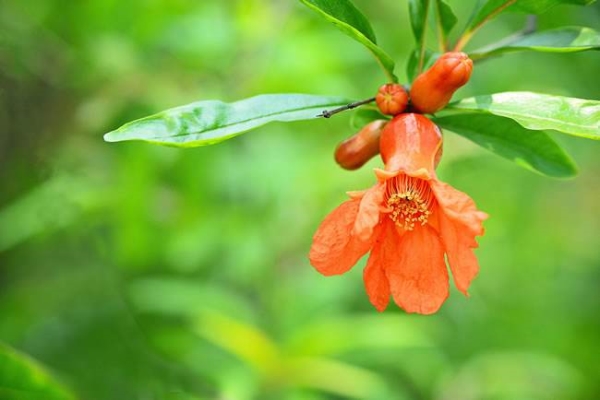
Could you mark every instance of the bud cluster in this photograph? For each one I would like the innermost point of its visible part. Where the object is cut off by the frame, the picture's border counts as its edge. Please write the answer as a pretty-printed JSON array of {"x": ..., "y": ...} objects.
[{"x": 430, "y": 92}]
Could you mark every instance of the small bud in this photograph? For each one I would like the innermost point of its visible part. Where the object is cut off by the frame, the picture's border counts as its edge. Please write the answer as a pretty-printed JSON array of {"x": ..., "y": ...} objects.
[
  {"x": 355, "y": 151},
  {"x": 410, "y": 142},
  {"x": 391, "y": 99},
  {"x": 433, "y": 89}
]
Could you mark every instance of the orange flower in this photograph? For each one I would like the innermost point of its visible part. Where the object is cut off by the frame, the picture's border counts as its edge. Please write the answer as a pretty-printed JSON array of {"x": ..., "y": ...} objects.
[{"x": 408, "y": 220}]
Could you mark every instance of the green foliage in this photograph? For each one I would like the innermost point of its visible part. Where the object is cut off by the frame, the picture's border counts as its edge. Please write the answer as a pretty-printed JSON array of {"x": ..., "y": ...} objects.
[
  {"x": 446, "y": 17},
  {"x": 491, "y": 8},
  {"x": 541, "y": 6},
  {"x": 487, "y": 10},
  {"x": 22, "y": 379},
  {"x": 419, "y": 14},
  {"x": 132, "y": 271},
  {"x": 347, "y": 18},
  {"x": 343, "y": 12},
  {"x": 209, "y": 122},
  {"x": 575, "y": 117},
  {"x": 560, "y": 40},
  {"x": 364, "y": 115},
  {"x": 412, "y": 65},
  {"x": 534, "y": 150}
]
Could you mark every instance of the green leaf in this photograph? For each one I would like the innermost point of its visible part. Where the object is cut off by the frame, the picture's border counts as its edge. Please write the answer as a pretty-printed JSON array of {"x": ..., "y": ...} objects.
[
  {"x": 534, "y": 150},
  {"x": 562, "y": 40},
  {"x": 244, "y": 340},
  {"x": 348, "y": 19},
  {"x": 365, "y": 115},
  {"x": 343, "y": 11},
  {"x": 447, "y": 18},
  {"x": 577, "y": 117},
  {"x": 208, "y": 122},
  {"x": 23, "y": 379},
  {"x": 492, "y": 8},
  {"x": 412, "y": 65},
  {"x": 487, "y": 11},
  {"x": 52, "y": 205},
  {"x": 418, "y": 10},
  {"x": 541, "y": 6},
  {"x": 419, "y": 14}
]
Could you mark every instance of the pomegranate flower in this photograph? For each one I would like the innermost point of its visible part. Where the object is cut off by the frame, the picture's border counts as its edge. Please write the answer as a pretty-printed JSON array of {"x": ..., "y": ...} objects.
[{"x": 408, "y": 221}]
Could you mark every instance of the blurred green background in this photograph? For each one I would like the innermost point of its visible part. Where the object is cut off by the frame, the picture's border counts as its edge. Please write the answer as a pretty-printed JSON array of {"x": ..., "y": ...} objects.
[{"x": 129, "y": 271}]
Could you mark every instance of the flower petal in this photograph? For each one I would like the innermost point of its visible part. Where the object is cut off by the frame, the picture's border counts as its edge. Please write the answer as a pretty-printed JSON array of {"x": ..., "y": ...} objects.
[
  {"x": 335, "y": 250},
  {"x": 459, "y": 223},
  {"x": 459, "y": 243},
  {"x": 458, "y": 206},
  {"x": 376, "y": 281},
  {"x": 417, "y": 271},
  {"x": 368, "y": 212}
]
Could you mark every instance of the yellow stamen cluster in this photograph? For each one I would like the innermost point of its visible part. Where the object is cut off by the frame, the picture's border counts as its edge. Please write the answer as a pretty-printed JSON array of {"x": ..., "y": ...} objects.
[{"x": 409, "y": 200}]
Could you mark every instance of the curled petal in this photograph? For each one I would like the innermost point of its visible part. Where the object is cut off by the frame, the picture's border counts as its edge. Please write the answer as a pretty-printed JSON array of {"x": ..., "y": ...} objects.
[
  {"x": 459, "y": 223},
  {"x": 376, "y": 281},
  {"x": 368, "y": 212},
  {"x": 417, "y": 272},
  {"x": 459, "y": 243},
  {"x": 459, "y": 207},
  {"x": 335, "y": 250}
]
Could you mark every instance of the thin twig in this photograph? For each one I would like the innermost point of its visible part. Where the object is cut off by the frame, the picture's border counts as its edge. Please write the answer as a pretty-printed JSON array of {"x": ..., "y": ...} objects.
[{"x": 329, "y": 113}]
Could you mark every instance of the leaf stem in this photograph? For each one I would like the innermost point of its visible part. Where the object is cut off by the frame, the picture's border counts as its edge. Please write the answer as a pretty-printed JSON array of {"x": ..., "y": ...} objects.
[
  {"x": 468, "y": 34},
  {"x": 328, "y": 114}
]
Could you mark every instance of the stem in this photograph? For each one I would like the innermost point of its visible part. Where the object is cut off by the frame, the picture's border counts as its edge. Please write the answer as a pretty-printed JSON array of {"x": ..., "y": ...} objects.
[
  {"x": 468, "y": 34},
  {"x": 422, "y": 50},
  {"x": 440, "y": 29},
  {"x": 328, "y": 114}
]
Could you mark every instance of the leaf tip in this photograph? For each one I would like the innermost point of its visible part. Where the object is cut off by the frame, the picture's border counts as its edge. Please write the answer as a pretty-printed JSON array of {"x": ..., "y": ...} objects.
[{"x": 110, "y": 137}]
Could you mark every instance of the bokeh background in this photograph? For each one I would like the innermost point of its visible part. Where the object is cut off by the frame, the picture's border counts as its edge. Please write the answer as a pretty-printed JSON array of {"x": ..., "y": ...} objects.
[{"x": 130, "y": 271}]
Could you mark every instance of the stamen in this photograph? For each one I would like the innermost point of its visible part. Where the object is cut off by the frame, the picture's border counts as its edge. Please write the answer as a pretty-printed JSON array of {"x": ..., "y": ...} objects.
[{"x": 410, "y": 201}]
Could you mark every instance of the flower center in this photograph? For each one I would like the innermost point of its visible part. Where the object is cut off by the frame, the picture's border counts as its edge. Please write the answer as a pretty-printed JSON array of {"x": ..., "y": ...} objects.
[{"x": 410, "y": 201}]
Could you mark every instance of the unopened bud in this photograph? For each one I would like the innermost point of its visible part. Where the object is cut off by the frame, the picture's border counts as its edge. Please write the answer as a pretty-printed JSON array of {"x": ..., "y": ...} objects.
[
  {"x": 391, "y": 99},
  {"x": 433, "y": 89},
  {"x": 355, "y": 151},
  {"x": 410, "y": 142}
]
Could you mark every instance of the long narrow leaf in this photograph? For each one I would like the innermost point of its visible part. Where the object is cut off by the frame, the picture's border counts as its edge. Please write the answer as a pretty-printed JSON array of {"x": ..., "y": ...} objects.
[
  {"x": 577, "y": 117},
  {"x": 447, "y": 18},
  {"x": 562, "y": 40},
  {"x": 419, "y": 14},
  {"x": 209, "y": 122},
  {"x": 487, "y": 11},
  {"x": 348, "y": 19},
  {"x": 541, "y": 6},
  {"x": 418, "y": 10},
  {"x": 534, "y": 150},
  {"x": 492, "y": 8},
  {"x": 343, "y": 11}
]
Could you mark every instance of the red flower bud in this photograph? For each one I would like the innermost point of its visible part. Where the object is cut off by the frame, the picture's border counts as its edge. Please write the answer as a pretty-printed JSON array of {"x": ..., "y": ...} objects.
[
  {"x": 355, "y": 151},
  {"x": 391, "y": 99},
  {"x": 410, "y": 142},
  {"x": 432, "y": 90}
]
